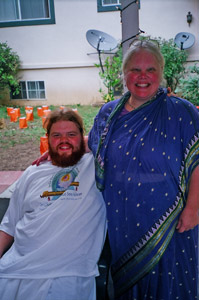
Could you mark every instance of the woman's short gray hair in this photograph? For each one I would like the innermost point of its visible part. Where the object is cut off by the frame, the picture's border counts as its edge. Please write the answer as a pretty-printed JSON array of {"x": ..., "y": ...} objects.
[{"x": 138, "y": 45}]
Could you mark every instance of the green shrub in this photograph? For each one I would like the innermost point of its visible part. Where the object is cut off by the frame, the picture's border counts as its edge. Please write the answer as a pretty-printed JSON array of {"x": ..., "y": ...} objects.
[
  {"x": 189, "y": 86},
  {"x": 175, "y": 60},
  {"x": 9, "y": 66},
  {"x": 111, "y": 76}
]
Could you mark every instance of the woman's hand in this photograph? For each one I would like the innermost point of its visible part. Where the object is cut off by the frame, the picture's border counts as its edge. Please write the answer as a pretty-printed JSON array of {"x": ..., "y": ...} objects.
[
  {"x": 44, "y": 156},
  {"x": 188, "y": 220},
  {"x": 189, "y": 217}
]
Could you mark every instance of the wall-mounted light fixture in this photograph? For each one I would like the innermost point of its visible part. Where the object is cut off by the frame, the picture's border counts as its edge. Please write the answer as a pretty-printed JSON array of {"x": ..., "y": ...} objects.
[{"x": 189, "y": 18}]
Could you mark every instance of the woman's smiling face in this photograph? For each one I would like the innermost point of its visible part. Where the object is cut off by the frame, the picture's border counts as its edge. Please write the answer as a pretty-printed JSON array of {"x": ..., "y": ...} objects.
[{"x": 143, "y": 75}]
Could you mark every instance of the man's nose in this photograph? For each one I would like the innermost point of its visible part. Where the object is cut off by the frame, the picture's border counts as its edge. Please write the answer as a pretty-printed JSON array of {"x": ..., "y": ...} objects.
[{"x": 64, "y": 138}]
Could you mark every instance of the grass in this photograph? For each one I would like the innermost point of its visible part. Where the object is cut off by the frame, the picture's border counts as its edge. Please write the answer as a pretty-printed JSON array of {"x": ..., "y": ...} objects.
[{"x": 12, "y": 134}]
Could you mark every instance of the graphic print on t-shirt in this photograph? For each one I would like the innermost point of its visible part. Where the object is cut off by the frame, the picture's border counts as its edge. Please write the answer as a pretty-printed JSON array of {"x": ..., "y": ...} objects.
[{"x": 62, "y": 181}]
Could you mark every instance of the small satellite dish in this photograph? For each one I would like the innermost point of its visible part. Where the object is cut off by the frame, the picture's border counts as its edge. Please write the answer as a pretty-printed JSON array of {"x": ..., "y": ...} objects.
[
  {"x": 101, "y": 40},
  {"x": 184, "y": 40}
]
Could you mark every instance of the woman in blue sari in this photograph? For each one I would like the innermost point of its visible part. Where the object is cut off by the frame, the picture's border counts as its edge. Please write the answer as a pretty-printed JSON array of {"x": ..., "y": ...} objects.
[{"x": 146, "y": 146}]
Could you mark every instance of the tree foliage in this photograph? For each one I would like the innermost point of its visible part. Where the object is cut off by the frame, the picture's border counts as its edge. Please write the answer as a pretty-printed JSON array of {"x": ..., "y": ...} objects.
[
  {"x": 175, "y": 60},
  {"x": 9, "y": 67},
  {"x": 189, "y": 86},
  {"x": 111, "y": 76}
]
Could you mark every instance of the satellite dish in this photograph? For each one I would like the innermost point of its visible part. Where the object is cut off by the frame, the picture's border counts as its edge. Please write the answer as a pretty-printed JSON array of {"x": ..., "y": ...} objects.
[
  {"x": 101, "y": 40},
  {"x": 184, "y": 40}
]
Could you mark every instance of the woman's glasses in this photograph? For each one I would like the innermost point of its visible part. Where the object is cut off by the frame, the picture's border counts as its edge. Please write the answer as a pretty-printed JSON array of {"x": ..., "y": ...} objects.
[{"x": 142, "y": 42}]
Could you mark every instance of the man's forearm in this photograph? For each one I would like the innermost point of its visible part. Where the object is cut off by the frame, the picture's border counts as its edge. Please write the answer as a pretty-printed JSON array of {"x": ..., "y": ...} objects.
[{"x": 6, "y": 241}]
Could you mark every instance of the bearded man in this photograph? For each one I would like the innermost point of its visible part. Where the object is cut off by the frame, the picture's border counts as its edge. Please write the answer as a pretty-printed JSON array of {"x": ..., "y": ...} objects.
[{"x": 53, "y": 232}]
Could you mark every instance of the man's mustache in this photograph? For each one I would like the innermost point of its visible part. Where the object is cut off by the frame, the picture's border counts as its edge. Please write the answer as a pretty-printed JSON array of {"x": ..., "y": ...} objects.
[{"x": 65, "y": 144}]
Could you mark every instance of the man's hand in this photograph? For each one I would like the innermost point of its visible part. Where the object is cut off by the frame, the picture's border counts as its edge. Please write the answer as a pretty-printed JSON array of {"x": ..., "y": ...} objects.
[{"x": 6, "y": 241}]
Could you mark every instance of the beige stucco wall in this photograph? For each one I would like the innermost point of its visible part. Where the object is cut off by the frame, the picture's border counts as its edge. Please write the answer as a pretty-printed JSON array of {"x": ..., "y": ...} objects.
[
  {"x": 167, "y": 18},
  {"x": 64, "y": 86},
  {"x": 58, "y": 53}
]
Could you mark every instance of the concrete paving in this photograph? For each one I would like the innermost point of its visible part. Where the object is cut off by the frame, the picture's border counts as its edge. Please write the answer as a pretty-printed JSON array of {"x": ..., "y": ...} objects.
[{"x": 8, "y": 181}]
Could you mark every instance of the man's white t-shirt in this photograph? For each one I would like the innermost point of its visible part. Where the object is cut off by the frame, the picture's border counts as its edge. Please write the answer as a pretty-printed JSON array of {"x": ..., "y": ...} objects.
[{"x": 55, "y": 234}]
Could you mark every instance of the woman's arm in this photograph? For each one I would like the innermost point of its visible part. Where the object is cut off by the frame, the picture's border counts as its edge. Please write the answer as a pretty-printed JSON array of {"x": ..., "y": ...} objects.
[
  {"x": 86, "y": 144},
  {"x": 44, "y": 156},
  {"x": 6, "y": 241},
  {"x": 189, "y": 217}
]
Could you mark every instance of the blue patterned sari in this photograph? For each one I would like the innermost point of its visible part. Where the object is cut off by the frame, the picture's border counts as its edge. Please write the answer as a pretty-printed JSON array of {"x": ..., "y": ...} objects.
[{"x": 144, "y": 160}]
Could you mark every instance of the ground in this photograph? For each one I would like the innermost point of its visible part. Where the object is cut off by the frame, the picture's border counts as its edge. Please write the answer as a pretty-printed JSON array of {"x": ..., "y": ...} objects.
[
  {"x": 19, "y": 157},
  {"x": 25, "y": 149}
]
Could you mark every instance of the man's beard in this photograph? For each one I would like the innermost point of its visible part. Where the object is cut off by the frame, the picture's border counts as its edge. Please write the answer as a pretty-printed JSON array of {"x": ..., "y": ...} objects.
[{"x": 67, "y": 161}]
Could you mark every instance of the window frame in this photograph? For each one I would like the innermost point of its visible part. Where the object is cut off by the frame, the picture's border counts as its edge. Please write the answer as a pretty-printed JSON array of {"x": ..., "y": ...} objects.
[
  {"x": 28, "y": 90},
  {"x": 111, "y": 7},
  {"x": 101, "y": 8},
  {"x": 30, "y": 22}
]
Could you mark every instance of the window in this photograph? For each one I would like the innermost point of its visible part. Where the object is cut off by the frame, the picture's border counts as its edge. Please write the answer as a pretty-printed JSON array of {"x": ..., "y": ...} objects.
[
  {"x": 110, "y": 5},
  {"x": 30, "y": 90},
  {"x": 26, "y": 12}
]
